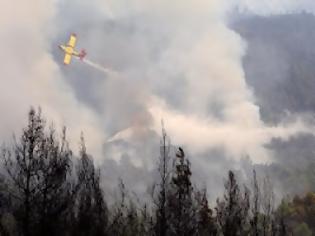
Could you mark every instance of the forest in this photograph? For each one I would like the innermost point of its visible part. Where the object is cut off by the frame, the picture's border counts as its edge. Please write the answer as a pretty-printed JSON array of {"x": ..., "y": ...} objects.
[{"x": 46, "y": 189}]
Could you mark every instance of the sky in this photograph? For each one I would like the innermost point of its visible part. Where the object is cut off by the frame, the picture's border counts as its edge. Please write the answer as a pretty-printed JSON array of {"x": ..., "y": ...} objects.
[{"x": 199, "y": 65}]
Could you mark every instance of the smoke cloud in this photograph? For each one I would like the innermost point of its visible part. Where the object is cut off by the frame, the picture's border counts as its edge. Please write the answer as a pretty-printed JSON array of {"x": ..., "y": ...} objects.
[
  {"x": 30, "y": 76},
  {"x": 178, "y": 60}
]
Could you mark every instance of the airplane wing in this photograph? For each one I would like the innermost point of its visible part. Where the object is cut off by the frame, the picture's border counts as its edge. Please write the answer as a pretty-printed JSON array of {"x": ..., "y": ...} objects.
[
  {"x": 72, "y": 40},
  {"x": 67, "y": 59}
]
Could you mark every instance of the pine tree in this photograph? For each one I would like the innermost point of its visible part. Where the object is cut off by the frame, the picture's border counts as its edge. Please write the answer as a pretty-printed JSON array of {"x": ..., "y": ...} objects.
[
  {"x": 205, "y": 221},
  {"x": 180, "y": 203},
  {"x": 232, "y": 211},
  {"x": 118, "y": 224},
  {"x": 146, "y": 225},
  {"x": 267, "y": 203},
  {"x": 22, "y": 165},
  {"x": 160, "y": 198},
  {"x": 255, "y": 207},
  {"x": 54, "y": 197},
  {"x": 92, "y": 209},
  {"x": 38, "y": 166}
]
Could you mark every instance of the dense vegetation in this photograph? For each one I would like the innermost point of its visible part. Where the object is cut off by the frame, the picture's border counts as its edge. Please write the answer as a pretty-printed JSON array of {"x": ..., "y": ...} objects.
[{"x": 45, "y": 190}]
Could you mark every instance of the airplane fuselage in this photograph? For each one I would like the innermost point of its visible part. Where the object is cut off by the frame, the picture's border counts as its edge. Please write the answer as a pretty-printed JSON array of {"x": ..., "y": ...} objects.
[{"x": 69, "y": 50}]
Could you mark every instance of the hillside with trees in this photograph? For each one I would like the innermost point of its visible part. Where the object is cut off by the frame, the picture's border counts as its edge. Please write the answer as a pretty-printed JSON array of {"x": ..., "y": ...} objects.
[{"x": 46, "y": 189}]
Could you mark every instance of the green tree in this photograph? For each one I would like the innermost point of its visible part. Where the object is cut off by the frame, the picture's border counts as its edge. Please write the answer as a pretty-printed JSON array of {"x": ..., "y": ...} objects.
[
  {"x": 180, "y": 202},
  {"x": 302, "y": 230},
  {"x": 232, "y": 210},
  {"x": 205, "y": 219},
  {"x": 160, "y": 191},
  {"x": 92, "y": 216},
  {"x": 38, "y": 166}
]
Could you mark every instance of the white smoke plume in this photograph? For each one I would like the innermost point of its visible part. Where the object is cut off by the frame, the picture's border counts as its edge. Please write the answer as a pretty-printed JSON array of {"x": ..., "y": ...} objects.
[
  {"x": 30, "y": 76},
  {"x": 177, "y": 60},
  {"x": 101, "y": 68},
  {"x": 199, "y": 64}
]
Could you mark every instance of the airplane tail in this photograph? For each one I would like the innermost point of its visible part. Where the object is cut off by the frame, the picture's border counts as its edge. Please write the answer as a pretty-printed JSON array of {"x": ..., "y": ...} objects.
[{"x": 82, "y": 54}]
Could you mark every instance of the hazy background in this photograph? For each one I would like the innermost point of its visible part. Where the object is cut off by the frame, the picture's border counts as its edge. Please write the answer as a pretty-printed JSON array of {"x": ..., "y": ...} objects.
[{"x": 232, "y": 80}]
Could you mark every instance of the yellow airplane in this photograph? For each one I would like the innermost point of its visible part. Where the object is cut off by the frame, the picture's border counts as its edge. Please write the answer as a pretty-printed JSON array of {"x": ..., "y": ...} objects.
[{"x": 70, "y": 51}]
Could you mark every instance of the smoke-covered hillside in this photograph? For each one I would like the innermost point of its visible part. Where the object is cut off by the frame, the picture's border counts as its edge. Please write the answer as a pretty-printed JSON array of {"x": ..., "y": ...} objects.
[
  {"x": 279, "y": 66},
  {"x": 46, "y": 190},
  {"x": 230, "y": 81}
]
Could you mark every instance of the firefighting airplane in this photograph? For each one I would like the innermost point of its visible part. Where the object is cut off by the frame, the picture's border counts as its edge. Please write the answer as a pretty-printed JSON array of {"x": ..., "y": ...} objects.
[{"x": 70, "y": 51}]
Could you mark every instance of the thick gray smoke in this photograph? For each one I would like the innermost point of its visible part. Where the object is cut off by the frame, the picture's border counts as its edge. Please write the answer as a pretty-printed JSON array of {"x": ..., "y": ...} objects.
[
  {"x": 181, "y": 62},
  {"x": 282, "y": 76},
  {"x": 30, "y": 76},
  {"x": 177, "y": 60}
]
